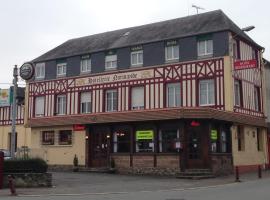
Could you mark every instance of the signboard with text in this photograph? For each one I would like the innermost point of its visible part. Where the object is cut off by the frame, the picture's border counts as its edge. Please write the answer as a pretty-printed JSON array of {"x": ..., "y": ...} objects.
[
  {"x": 214, "y": 135},
  {"x": 5, "y": 97},
  {"x": 245, "y": 64},
  {"x": 145, "y": 135}
]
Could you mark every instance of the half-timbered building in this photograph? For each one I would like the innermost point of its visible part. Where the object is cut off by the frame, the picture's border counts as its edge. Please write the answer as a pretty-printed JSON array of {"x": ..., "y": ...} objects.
[{"x": 178, "y": 94}]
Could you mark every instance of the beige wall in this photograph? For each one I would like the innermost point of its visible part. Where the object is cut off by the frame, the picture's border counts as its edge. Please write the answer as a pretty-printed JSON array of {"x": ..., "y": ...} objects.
[
  {"x": 23, "y": 136},
  {"x": 250, "y": 155},
  {"x": 228, "y": 84},
  {"x": 59, "y": 154}
]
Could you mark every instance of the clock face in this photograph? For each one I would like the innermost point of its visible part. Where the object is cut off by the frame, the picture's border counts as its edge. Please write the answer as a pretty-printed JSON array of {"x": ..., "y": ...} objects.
[{"x": 27, "y": 71}]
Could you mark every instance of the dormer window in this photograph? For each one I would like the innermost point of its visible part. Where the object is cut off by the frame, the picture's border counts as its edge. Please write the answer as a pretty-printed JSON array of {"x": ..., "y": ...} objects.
[
  {"x": 136, "y": 56},
  {"x": 205, "y": 46},
  {"x": 85, "y": 64},
  {"x": 40, "y": 71},
  {"x": 61, "y": 69},
  {"x": 111, "y": 61},
  {"x": 172, "y": 51}
]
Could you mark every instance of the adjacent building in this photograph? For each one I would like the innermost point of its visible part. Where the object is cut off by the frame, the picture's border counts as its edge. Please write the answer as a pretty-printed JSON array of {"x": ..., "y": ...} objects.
[{"x": 178, "y": 94}]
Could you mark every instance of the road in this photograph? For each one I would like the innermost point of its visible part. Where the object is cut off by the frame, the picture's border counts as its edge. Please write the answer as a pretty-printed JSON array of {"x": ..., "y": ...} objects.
[{"x": 250, "y": 190}]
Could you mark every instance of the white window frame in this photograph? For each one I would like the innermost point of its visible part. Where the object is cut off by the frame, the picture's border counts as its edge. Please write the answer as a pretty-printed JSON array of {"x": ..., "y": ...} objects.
[
  {"x": 172, "y": 48},
  {"x": 237, "y": 101},
  {"x": 111, "y": 62},
  {"x": 63, "y": 106},
  {"x": 174, "y": 86},
  {"x": 42, "y": 106},
  {"x": 137, "y": 54},
  {"x": 205, "y": 44},
  {"x": 137, "y": 107},
  {"x": 208, "y": 82},
  {"x": 85, "y": 64},
  {"x": 40, "y": 71},
  {"x": 63, "y": 67},
  {"x": 113, "y": 98},
  {"x": 88, "y": 104}
]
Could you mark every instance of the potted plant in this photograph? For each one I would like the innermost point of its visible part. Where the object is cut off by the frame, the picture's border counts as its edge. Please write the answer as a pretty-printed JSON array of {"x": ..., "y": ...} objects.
[{"x": 75, "y": 164}]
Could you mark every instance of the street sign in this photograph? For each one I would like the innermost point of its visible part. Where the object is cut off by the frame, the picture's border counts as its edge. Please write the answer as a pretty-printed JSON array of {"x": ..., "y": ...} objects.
[{"x": 245, "y": 64}]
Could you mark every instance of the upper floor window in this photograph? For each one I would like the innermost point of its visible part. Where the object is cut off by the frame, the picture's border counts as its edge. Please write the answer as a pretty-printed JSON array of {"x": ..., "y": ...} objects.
[
  {"x": 86, "y": 102},
  {"x": 61, "y": 69},
  {"x": 85, "y": 64},
  {"x": 205, "y": 46},
  {"x": 111, "y": 100},
  {"x": 237, "y": 93},
  {"x": 137, "y": 98},
  {"x": 136, "y": 57},
  {"x": 171, "y": 51},
  {"x": 207, "y": 92},
  {"x": 40, "y": 71},
  {"x": 110, "y": 61},
  {"x": 173, "y": 95},
  {"x": 39, "y": 106},
  {"x": 257, "y": 98},
  {"x": 236, "y": 49},
  {"x": 61, "y": 104}
]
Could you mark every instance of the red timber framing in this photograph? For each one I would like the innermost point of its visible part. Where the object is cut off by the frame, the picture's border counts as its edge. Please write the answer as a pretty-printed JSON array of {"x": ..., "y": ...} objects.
[
  {"x": 250, "y": 78},
  {"x": 154, "y": 80},
  {"x": 5, "y": 115}
]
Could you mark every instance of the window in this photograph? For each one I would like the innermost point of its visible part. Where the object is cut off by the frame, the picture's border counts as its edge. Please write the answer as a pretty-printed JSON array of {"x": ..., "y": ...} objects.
[
  {"x": 61, "y": 105},
  {"x": 121, "y": 141},
  {"x": 236, "y": 50},
  {"x": 40, "y": 71},
  {"x": 65, "y": 137},
  {"x": 237, "y": 93},
  {"x": 223, "y": 142},
  {"x": 61, "y": 69},
  {"x": 39, "y": 106},
  {"x": 137, "y": 98},
  {"x": 207, "y": 92},
  {"x": 111, "y": 100},
  {"x": 172, "y": 53},
  {"x": 259, "y": 140},
  {"x": 86, "y": 102},
  {"x": 136, "y": 58},
  {"x": 173, "y": 95},
  {"x": 85, "y": 64},
  {"x": 145, "y": 141},
  {"x": 48, "y": 137},
  {"x": 205, "y": 47},
  {"x": 257, "y": 104},
  {"x": 241, "y": 138},
  {"x": 111, "y": 62},
  {"x": 169, "y": 141}
]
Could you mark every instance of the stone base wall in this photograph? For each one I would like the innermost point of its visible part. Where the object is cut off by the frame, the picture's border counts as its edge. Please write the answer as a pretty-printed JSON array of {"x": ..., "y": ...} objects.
[
  {"x": 166, "y": 165},
  {"x": 24, "y": 180},
  {"x": 222, "y": 164}
]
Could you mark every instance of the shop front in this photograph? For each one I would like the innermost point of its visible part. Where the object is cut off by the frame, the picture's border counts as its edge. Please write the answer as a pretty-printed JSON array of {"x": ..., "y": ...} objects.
[{"x": 165, "y": 147}]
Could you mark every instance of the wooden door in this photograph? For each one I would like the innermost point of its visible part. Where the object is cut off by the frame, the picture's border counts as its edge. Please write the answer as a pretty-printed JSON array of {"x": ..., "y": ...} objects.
[{"x": 99, "y": 151}]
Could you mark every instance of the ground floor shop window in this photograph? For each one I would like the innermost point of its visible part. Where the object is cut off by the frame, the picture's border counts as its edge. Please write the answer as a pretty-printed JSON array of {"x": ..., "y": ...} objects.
[
  {"x": 220, "y": 139},
  {"x": 65, "y": 137},
  {"x": 47, "y": 137},
  {"x": 121, "y": 141},
  {"x": 145, "y": 141},
  {"x": 169, "y": 141}
]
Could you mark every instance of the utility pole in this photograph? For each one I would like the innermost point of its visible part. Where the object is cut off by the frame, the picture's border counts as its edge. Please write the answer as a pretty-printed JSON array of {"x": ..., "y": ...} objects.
[{"x": 14, "y": 112}]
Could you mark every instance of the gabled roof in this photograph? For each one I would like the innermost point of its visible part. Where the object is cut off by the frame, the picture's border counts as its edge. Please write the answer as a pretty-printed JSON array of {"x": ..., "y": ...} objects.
[{"x": 208, "y": 22}]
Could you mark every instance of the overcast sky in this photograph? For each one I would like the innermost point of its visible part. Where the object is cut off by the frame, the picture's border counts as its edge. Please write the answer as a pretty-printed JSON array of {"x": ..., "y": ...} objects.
[{"x": 29, "y": 28}]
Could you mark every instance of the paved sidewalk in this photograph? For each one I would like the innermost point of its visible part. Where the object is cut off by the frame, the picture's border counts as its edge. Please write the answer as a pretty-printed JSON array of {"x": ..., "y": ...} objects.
[{"x": 93, "y": 183}]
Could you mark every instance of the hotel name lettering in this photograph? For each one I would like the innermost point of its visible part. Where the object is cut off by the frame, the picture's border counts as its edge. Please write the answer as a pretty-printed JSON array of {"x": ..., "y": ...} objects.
[{"x": 111, "y": 78}]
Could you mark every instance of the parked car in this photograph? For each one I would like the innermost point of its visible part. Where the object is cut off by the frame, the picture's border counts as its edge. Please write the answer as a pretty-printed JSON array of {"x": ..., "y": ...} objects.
[{"x": 6, "y": 152}]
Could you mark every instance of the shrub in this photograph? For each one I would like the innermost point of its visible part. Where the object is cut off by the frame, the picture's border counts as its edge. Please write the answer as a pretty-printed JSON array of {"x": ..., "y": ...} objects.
[{"x": 35, "y": 165}]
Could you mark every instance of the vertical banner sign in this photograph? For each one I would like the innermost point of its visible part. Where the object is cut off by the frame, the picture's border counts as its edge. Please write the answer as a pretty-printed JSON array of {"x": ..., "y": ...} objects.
[{"x": 5, "y": 97}]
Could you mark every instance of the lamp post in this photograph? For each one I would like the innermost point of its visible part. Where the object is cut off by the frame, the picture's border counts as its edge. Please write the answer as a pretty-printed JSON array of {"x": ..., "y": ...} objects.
[{"x": 14, "y": 112}]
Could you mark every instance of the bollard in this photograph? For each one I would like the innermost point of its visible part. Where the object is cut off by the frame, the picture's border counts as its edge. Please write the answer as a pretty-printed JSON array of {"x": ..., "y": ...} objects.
[
  {"x": 259, "y": 171},
  {"x": 237, "y": 174},
  {"x": 11, "y": 185}
]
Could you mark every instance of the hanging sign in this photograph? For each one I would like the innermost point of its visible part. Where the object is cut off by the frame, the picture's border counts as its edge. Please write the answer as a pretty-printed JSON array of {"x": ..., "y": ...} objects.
[
  {"x": 145, "y": 135},
  {"x": 27, "y": 71},
  {"x": 214, "y": 135},
  {"x": 5, "y": 97},
  {"x": 245, "y": 64}
]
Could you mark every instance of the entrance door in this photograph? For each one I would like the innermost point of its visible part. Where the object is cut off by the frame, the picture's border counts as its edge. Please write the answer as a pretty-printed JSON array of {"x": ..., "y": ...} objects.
[
  {"x": 99, "y": 151},
  {"x": 196, "y": 147}
]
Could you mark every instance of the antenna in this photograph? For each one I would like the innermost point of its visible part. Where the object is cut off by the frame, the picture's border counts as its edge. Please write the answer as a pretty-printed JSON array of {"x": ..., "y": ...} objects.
[{"x": 197, "y": 8}]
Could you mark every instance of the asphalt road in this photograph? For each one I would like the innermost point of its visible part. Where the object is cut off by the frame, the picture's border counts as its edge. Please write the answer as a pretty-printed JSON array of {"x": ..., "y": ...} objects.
[{"x": 257, "y": 189}]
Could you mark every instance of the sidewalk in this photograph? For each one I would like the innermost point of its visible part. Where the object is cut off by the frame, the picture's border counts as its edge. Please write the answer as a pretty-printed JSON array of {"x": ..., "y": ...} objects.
[{"x": 88, "y": 183}]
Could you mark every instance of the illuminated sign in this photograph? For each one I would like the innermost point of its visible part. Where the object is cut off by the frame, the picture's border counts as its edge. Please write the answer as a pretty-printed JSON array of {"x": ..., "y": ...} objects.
[
  {"x": 245, "y": 64},
  {"x": 78, "y": 127},
  {"x": 194, "y": 123},
  {"x": 145, "y": 135},
  {"x": 214, "y": 135}
]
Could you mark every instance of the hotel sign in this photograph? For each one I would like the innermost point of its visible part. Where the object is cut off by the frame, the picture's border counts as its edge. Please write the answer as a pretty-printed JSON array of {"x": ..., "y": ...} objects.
[
  {"x": 245, "y": 64},
  {"x": 116, "y": 77}
]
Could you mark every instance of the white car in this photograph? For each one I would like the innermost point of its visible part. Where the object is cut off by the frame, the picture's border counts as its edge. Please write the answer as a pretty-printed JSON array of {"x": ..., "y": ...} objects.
[{"x": 6, "y": 154}]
